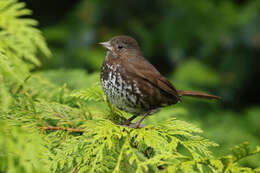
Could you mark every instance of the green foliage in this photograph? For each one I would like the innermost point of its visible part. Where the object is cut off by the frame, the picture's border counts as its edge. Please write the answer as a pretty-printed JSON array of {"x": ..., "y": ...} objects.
[
  {"x": 110, "y": 148},
  {"x": 193, "y": 73},
  {"x": 170, "y": 145},
  {"x": 45, "y": 126},
  {"x": 75, "y": 78},
  {"x": 19, "y": 43},
  {"x": 93, "y": 93},
  {"x": 231, "y": 129},
  {"x": 19, "y": 38},
  {"x": 21, "y": 150}
]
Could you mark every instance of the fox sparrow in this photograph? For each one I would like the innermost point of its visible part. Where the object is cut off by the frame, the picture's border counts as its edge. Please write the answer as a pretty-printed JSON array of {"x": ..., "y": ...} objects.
[{"x": 133, "y": 85}]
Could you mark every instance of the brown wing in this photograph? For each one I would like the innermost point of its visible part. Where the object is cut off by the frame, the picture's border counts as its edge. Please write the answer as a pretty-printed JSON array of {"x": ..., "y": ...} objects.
[{"x": 143, "y": 70}]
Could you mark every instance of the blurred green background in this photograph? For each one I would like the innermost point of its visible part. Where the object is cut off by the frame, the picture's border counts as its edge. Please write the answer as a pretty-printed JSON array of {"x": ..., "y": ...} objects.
[{"x": 205, "y": 45}]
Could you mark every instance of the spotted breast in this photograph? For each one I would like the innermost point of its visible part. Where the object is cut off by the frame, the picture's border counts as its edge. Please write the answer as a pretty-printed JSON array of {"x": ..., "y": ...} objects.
[{"x": 119, "y": 90}]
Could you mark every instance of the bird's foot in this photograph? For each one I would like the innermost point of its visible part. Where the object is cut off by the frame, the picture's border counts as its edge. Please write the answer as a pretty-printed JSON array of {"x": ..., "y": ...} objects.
[
  {"x": 136, "y": 126},
  {"x": 129, "y": 125},
  {"x": 126, "y": 122},
  {"x": 123, "y": 125}
]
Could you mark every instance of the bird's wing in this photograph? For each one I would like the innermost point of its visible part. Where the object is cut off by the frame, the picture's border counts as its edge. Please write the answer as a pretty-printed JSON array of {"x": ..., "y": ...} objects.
[{"x": 140, "y": 67}]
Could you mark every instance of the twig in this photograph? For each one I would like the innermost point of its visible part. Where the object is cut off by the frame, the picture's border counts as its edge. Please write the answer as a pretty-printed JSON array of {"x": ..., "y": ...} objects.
[{"x": 78, "y": 130}]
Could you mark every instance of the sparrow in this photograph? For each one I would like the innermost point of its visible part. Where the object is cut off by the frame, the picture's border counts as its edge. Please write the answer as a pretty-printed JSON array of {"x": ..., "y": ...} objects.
[{"x": 134, "y": 85}]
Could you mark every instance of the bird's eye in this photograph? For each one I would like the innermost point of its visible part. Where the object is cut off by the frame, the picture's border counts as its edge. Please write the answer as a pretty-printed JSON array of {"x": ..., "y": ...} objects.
[{"x": 120, "y": 46}]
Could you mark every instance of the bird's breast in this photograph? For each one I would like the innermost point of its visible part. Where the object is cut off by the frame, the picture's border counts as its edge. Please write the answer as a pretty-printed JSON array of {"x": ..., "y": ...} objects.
[{"x": 119, "y": 90}]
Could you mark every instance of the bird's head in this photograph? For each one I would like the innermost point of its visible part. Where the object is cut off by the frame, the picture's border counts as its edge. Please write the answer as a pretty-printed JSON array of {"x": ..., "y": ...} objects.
[{"x": 118, "y": 45}]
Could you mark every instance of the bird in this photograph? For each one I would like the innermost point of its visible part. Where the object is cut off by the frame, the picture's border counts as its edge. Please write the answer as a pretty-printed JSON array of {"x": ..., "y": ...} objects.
[{"x": 134, "y": 85}]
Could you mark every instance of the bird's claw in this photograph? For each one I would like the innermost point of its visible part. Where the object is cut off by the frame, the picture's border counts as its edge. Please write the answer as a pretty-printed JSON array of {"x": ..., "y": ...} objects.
[
  {"x": 136, "y": 126},
  {"x": 129, "y": 125},
  {"x": 126, "y": 122}
]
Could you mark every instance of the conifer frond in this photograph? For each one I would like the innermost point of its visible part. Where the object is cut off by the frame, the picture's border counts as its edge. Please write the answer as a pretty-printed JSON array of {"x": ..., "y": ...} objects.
[
  {"x": 18, "y": 35},
  {"x": 20, "y": 42},
  {"x": 40, "y": 88},
  {"x": 8, "y": 69},
  {"x": 5, "y": 97},
  {"x": 243, "y": 150},
  {"x": 106, "y": 147},
  {"x": 21, "y": 149},
  {"x": 93, "y": 93},
  {"x": 145, "y": 148}
]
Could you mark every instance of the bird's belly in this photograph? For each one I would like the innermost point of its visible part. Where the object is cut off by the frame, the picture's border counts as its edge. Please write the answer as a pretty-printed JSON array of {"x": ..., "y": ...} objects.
[
  {"x": 124, "y": 102},
  {"x": 120, "y": 93},
  {"x": 122, "y": 98}
]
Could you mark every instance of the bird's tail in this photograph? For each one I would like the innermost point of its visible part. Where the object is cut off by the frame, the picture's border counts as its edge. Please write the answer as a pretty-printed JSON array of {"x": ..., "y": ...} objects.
[{"x": 197, "y": 94}]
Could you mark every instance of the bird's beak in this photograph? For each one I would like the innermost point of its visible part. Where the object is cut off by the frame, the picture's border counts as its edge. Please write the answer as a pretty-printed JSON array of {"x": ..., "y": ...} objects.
[{"x": 106, "y": 45}]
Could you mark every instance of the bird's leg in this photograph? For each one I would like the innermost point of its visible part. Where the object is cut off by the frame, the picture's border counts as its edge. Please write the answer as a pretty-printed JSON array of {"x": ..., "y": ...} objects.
[
  {"x": 138, "y": 123},
  {"x": 128, "y": 121}
]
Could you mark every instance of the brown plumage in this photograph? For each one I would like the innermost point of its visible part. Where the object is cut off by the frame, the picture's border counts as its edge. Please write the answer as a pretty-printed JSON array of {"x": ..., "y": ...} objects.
[{"x": 134, "y": 85}]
